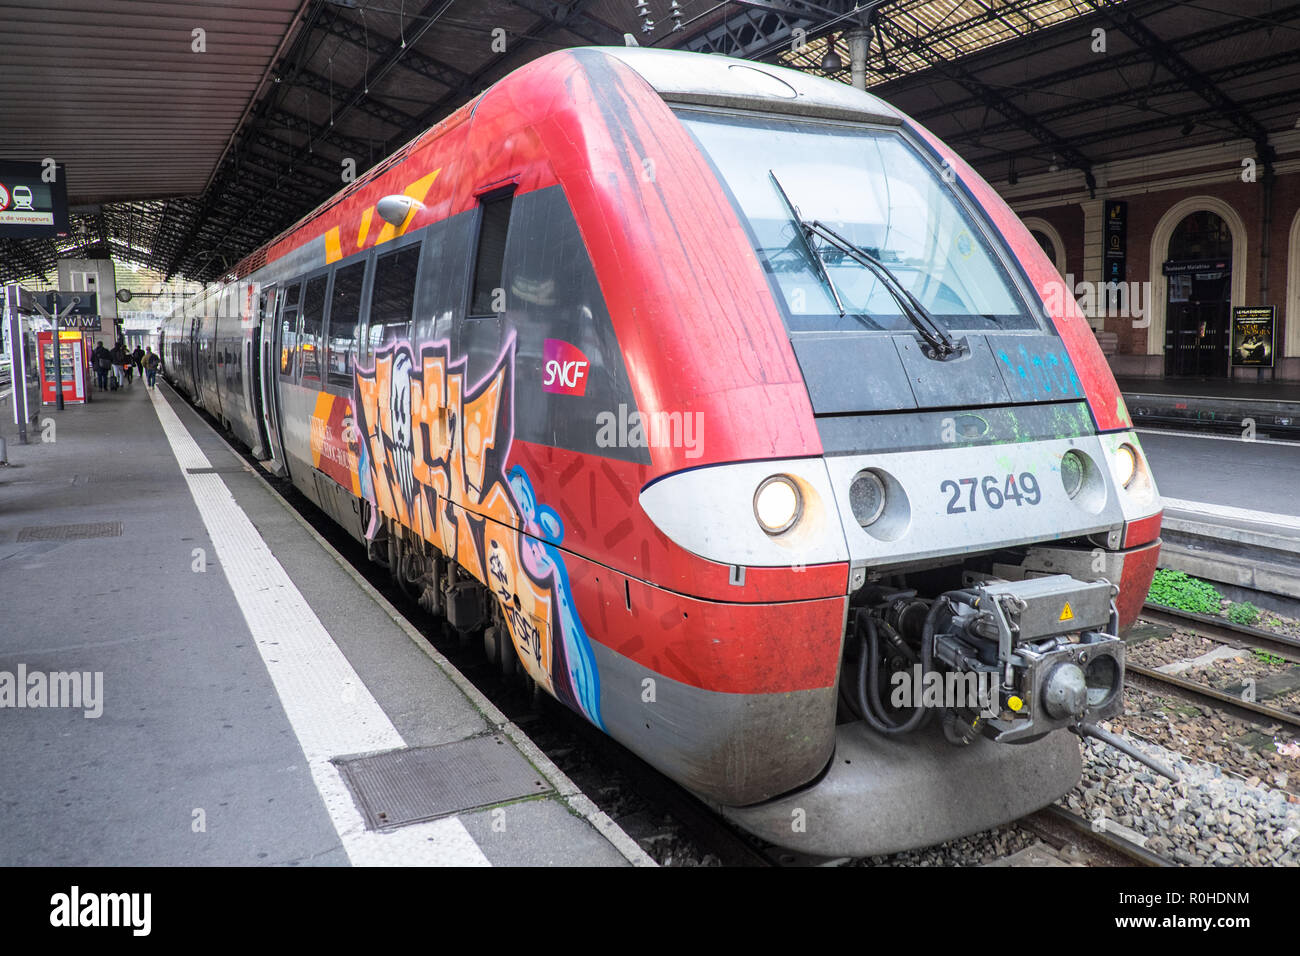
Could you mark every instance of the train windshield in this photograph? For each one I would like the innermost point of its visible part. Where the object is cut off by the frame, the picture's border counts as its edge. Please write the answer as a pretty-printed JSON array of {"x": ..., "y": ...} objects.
[{"x": 871, "y": 187}]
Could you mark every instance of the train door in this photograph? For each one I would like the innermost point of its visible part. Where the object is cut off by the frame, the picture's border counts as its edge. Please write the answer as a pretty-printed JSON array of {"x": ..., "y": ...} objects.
[
  {"x": 195, "y": 358},
  {"x": 267, "y": 335},
  {"x": 251, "y": 363}
]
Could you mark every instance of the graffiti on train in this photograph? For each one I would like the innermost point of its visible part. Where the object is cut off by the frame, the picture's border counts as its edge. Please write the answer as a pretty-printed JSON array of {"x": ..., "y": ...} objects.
[{"x": 432, "y": 454}]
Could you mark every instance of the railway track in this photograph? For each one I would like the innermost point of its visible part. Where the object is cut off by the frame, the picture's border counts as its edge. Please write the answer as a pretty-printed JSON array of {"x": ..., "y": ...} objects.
[
  {"x": 1059, "y": 828},
  {"x": 1225, "y": 632},
  {"x": 1222, "y": 632}
]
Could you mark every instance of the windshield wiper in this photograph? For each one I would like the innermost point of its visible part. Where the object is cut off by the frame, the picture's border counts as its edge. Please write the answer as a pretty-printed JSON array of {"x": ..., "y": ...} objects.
[
  {"x": 802, "y": 228},
  {"x": 935, "y": 335}
]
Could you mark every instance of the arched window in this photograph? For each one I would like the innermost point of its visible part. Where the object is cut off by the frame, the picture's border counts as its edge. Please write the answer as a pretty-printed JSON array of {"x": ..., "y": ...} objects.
[
  {"x": 1049, "y": 240},
  {"x": 1201, "y": 235}
]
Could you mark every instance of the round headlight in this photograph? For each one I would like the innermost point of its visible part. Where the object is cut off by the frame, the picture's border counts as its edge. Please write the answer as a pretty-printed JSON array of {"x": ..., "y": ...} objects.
[
  {"x": 867, "y": 497},
  {"x": 1073, "y": 470},
  {"x": 777, "y": 504},
  {"x": 1126, "y": 460}
]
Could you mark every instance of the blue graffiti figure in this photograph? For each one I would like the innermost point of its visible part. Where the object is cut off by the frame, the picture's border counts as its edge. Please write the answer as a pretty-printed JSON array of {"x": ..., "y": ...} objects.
[
  {"x": 367, "y": 486},
  {"x": 546, "y": 560}
]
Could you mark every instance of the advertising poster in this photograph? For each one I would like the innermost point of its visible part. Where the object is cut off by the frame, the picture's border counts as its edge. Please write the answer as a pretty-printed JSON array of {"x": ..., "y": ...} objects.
[{"x": 1252, "y": 336}]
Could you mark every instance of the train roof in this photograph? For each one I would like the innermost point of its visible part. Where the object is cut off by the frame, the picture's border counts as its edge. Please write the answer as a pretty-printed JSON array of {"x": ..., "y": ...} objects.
[
  {"x": 680, "y": 77},
  {"x": 708, "y": 79}
]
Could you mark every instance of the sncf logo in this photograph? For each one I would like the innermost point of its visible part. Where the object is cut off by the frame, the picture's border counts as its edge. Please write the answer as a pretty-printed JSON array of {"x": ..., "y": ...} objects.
[{"x": 564, "y": 368}]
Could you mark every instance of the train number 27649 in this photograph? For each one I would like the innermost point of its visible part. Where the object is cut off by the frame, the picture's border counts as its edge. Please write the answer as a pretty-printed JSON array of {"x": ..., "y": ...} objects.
[{"x": 1022, "y": 489}]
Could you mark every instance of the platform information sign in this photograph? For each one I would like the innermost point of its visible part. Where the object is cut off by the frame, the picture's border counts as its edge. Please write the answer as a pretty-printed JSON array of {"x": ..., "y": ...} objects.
[
  {"x": 1252, "y": 336},
  {"x": 1115, "y": 253},
  {"x": 24, "y": 361},
  {"x": 33, "y": 200}
]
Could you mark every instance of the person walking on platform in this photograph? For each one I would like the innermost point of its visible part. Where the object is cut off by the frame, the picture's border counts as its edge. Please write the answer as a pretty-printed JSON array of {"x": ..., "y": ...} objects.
[
  {"x": 137, "y": 359},
  {"x": 151, "y": 363},
  {"x": 102, "y": 359},
  {"x": 119, "y": 360}
]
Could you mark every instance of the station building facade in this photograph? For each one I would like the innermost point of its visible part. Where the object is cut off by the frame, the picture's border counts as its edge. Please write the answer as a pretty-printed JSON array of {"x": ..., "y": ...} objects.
[{"x": 1204, "y": 231}]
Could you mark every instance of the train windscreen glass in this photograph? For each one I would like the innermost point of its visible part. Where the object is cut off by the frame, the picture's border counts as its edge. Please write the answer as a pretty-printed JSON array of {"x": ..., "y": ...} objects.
[{"x": 873, "y": 188}]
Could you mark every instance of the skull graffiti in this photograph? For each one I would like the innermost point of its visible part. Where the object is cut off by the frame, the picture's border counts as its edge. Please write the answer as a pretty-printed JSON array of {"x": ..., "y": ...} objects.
[{"x": 400, "y": 429}]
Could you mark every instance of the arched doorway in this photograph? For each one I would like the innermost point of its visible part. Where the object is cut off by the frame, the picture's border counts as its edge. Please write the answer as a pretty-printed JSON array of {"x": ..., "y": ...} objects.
[
  {"x": 1048, "y": 239},
  {"x": 1158, "y": 295},
  {"x": 1198, "y": 270}
]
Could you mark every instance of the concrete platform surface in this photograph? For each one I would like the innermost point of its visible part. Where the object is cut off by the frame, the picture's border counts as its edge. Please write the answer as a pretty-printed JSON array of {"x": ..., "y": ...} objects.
[
  {"x": 184, "y": 661},
  {"x": 1228, "y": 472},
  {"x": 1232, "y": 512}
]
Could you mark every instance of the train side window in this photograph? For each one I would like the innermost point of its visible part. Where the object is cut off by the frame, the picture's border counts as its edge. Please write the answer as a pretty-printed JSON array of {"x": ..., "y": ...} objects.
[
  {"x": 289, "y": 330},
  {"x": 345, "y": 310},
  {"x": 489, "y": 264},
  {"x": 392, "y": 297},
  {"x": 313, "y": 310}
]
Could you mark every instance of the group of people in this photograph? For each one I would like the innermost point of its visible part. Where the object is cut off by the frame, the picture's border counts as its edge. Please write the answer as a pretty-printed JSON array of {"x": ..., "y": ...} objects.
[{"x": 120, "y": 363}]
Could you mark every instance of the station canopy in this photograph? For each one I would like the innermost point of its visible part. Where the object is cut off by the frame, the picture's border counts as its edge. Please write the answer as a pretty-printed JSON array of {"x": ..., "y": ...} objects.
[{"x": 194, "y": 132}]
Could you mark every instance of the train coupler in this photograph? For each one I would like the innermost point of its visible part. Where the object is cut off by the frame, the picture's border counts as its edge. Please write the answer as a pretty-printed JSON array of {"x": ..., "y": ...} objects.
[
  {"x": 1011, "y": 661},
  {"x": 1050, "y": 642}
]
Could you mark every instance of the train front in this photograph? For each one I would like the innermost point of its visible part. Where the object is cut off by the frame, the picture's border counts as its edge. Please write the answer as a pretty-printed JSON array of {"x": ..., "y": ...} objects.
[{"x": 978, "y": 473}]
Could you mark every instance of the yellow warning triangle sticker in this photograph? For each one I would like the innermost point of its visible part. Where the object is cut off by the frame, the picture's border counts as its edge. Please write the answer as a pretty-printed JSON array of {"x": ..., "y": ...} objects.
[{"x": 1066, "y": 613}]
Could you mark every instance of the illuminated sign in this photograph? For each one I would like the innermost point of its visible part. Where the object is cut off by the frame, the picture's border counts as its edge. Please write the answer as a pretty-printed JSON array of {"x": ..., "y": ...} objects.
[{"x": 33, "y": 200}]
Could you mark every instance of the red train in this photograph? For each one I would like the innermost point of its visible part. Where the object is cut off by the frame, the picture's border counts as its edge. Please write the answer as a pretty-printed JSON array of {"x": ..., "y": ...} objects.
[{"x": 727, "y": 403}]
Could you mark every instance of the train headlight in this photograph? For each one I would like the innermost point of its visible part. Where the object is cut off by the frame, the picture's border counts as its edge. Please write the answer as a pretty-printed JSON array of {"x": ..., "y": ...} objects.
[
  {"x": 867, "y": 497},
  {"x": 1073, "y": 470},
  {"x": 1126, "y": 464},
  {"x": 778, "y": 504}
]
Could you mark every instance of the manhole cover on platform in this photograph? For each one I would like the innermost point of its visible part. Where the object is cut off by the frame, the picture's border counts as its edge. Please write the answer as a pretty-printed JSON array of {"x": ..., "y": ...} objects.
[
  {"x": 71, "y": 532},
  {"x": 424, "y": 783}
]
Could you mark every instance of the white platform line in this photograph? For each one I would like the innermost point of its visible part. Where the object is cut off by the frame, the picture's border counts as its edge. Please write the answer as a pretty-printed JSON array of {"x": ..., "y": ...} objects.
[
  {"x": 1237, "y": 438},
  {"x": 1210, "y": 510},
  {"x": 331, "y": 711},
  {"x": 565, "y": 788}
]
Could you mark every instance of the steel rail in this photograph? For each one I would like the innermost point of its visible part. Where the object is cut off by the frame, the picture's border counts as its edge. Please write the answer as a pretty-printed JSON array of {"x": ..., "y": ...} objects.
[
  {"x": 1223, "y": 631},
  {"x": 1200, "y": 693},
  {"x": 1049, "y": 822}
]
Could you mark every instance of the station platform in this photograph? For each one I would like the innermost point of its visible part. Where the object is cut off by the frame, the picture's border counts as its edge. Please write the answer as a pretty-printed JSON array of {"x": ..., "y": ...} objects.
[
  {"x": 190, "y": 675},
  {"x": 1232, "y": 514},
  {"x": 1272, "y": 409}
]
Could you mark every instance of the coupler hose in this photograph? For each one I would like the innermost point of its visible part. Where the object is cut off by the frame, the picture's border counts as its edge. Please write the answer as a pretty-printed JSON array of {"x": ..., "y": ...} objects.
[{"x": 869, "y": 704}]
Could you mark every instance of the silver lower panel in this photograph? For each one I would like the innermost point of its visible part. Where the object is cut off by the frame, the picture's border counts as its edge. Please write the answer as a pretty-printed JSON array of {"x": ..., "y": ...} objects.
[{"x": 884, "y": 795}]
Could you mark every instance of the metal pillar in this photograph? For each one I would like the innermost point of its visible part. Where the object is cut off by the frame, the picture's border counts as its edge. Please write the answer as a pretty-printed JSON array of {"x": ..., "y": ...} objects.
[{"x": 859, "y": 41}]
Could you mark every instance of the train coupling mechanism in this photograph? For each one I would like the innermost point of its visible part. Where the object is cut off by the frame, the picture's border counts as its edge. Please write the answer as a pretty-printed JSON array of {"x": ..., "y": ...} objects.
[
  {"x": 1050, "y": 646},
  {"x": 1008, "y": 660}
]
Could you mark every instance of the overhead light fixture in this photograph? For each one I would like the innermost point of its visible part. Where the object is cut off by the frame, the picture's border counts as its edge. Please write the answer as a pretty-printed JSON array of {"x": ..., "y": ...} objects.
[{"x": 831, "y": 62}]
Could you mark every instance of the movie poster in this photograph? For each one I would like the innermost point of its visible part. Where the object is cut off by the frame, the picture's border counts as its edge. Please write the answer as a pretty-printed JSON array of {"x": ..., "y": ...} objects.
[{"x": 1252, "y": 336}]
